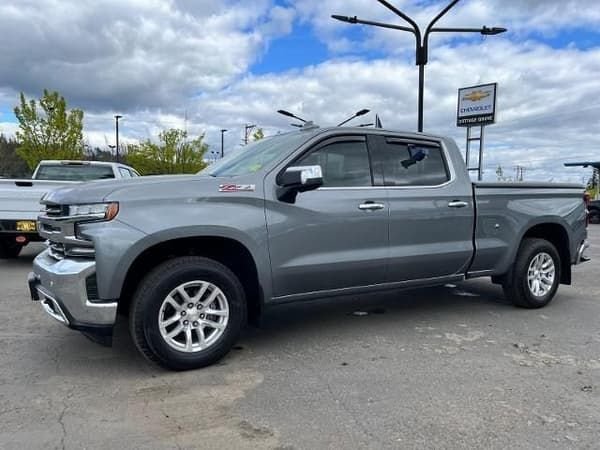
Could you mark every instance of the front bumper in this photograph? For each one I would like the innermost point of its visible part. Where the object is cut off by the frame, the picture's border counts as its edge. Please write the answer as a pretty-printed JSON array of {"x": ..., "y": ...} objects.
[{"x": 60, "y": 286}]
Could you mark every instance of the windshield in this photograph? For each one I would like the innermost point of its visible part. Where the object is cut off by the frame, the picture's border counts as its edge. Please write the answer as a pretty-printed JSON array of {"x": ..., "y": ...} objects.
[
  {"x": 254, "y": 157},
  {"x": 79, "y": 172}
]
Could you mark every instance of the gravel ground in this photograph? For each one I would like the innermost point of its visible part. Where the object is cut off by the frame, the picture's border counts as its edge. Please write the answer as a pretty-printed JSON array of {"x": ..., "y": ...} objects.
[{"x": 451, "y": 367}]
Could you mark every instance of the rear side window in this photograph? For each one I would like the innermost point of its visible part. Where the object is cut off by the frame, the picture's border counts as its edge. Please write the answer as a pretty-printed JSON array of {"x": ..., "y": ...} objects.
[
  {"x": 75, "y": 172},
  {"x": 344, "y": 164},
  {"x": 413, "y": 165},
  {"x": 124, "y": 172}
]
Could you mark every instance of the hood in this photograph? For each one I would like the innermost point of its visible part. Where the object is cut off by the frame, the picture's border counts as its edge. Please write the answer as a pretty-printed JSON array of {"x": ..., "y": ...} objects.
[{"x": 106, "y": 190}]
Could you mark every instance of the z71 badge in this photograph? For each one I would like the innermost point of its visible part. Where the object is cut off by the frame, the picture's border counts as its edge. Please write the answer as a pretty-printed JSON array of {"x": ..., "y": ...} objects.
[{"x": 237, "y": 188}]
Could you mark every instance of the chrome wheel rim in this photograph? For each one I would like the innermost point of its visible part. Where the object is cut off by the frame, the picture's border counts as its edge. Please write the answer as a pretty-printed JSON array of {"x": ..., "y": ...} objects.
[
  {"x": 540, "y": 275},
  {"x": 193, "y": 316}
]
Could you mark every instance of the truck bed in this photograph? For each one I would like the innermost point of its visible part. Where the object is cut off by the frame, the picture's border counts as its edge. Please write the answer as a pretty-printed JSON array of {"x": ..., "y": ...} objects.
[{"x": 505, "y": 212}]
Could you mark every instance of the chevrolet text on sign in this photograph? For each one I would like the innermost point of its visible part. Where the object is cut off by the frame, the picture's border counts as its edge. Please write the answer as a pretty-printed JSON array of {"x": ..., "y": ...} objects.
[{"x": 476, "y": 105}]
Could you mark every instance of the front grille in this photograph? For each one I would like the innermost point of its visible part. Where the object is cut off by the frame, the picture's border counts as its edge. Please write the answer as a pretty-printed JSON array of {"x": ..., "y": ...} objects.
[
  {"x": 53, "y": 210},
  {"x": 61, "y": 233},
  {"x": 56, "y": 250}
]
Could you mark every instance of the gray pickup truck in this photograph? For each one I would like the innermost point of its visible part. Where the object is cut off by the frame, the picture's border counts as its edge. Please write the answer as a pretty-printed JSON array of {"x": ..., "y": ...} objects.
[{"x": 314, "y": 213}]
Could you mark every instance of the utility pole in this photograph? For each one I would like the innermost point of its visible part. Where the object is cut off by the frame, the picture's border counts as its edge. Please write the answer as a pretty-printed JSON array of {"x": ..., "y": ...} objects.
[
  {"x": 520, "y": 172},
  {"x": 500, "y": 173},
  {"x": 223, "y": 142},
  {"x": 117, "y": 117},
  {"x": 247, "y": 129},
  {"x": 422, "y": 39}
]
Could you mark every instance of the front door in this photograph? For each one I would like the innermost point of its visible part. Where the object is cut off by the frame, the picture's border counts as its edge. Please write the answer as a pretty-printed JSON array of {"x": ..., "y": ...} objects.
[{"x": 334, "y": 237}]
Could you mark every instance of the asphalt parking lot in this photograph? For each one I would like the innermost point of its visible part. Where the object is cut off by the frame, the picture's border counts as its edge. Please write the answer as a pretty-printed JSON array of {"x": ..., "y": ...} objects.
[{"x": 450, "y": 367}]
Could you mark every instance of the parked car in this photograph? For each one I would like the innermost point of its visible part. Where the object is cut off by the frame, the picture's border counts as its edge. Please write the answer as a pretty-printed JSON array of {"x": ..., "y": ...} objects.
[
  {"x": 309, "y": 214},
  {"x": 19, "y": 199}
]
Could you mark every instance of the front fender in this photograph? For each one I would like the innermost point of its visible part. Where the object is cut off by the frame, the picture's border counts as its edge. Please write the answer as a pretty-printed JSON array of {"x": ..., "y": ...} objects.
[{"x": 113, "y": 272}]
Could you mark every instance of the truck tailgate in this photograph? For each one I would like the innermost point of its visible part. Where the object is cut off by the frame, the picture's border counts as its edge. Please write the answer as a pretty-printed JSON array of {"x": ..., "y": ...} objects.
[{"x": 20, "y": 199}]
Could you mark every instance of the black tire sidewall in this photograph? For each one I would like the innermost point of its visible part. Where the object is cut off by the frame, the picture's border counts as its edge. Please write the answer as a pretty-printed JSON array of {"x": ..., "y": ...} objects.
[
  {"x": 530, "y": 251},
  {"x": 594, "y": 217},
  {"x": 163, "y": 282},
  {"x": 9, "y": 250}
]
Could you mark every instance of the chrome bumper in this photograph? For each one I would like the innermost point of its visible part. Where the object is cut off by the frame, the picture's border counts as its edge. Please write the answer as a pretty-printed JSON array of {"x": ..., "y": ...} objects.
[
  {"x": 581, "y": 258},
  {"x": 60, "y": 286}
]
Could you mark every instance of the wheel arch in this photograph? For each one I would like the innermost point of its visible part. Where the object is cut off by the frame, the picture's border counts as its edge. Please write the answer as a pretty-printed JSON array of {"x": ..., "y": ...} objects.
[
  {"x": 228, "y": 251},
  {"x": 558, "y": 236}
]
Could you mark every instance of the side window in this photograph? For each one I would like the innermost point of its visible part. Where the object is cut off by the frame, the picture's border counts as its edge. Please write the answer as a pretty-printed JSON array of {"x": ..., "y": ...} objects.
[
  {"x": 124, "y": 172},
  {"x": 344, "y": 164},
  {"x": 413, "y": 165}
]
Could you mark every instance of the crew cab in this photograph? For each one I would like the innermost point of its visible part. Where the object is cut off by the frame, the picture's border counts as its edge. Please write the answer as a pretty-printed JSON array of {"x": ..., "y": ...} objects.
[
  {"x": 318, "y": 212},
  {"x": 19, "y": 199}
]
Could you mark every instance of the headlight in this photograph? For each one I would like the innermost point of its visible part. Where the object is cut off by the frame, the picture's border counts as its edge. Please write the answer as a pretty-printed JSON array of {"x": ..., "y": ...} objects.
[{"x": 94, "y": 211}]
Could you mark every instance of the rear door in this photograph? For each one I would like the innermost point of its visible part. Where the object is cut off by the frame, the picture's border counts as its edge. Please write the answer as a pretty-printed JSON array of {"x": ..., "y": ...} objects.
[
  {"x": 431, "y": 210},
  {"x": 334, "y": 237}
]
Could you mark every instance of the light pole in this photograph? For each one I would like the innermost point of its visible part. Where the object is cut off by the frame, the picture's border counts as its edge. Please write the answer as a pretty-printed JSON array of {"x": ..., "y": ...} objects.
[
  {"x": 422, "y": 40},
  {"x": 117, "y": 117},
  {"x": 247, "y": 128},
  {"x": 223, "y": 142}
]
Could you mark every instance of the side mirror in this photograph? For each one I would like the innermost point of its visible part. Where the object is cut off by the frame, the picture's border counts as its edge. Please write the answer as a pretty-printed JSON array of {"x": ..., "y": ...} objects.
[
  {"x": 298, "y": 179},
  {"x": 302, "y": 177}
]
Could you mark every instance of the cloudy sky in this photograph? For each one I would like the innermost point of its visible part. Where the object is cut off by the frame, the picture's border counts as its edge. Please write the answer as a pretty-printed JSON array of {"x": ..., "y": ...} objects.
[{"x": 225, "y": 63}]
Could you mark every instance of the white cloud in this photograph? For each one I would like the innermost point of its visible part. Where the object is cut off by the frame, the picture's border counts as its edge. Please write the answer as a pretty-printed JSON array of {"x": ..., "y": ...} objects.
[
  {"x": 8, "y": 128},
  {"x": 131, "y": 54}
]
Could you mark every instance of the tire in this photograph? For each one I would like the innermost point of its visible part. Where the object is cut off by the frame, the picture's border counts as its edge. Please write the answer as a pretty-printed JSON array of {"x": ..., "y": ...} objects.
[
  {"x": 594, "y": 216},
  {"x": 150, "y": 304},
  {"x": 9, "y": 250},
  {"x": 520, "y": 285}
]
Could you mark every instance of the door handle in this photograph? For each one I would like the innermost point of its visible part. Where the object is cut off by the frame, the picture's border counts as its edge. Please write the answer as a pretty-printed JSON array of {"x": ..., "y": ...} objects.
[
  {"x": 370, "y": 206},
  {"x": 457, "y": 204}
]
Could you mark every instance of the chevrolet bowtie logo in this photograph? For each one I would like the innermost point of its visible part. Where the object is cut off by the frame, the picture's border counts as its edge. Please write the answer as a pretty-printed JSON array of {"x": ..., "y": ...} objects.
[{"x": 475, "y": 96}]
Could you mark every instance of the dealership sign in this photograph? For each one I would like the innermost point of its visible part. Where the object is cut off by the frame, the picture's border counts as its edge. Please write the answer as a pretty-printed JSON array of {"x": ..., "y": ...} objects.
[{"x": 476, "y": 105}]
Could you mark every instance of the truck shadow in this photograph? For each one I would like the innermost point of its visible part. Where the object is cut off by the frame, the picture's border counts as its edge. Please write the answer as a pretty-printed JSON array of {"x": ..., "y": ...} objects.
[
  {"x": 397, "y": 308},
  {"x": 302, "y": 324},
  {"x": 310, "y": 326}
]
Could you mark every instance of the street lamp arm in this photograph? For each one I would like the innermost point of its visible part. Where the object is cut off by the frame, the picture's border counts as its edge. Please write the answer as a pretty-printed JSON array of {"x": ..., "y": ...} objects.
[
  {"x": 362, "y": 112},
  {"x": 370, "y": 22},
  {"x": 440, "y": 15},
  {"x": 425, "y": 48},
  {"x": 404, "y": 16},
  {"x": 483, "y": 30}
]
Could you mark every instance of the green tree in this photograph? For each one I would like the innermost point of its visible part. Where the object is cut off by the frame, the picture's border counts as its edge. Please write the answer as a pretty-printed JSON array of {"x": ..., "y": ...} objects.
[
  {"x": 172, "y": 154},
  {"x": 50, "y": 130},
  {"x": 97, "y": 154},
  {"x": 592, "y": 184},
  {"x": 258, "y": 134},
  {"x": 11, "y": 164}
]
